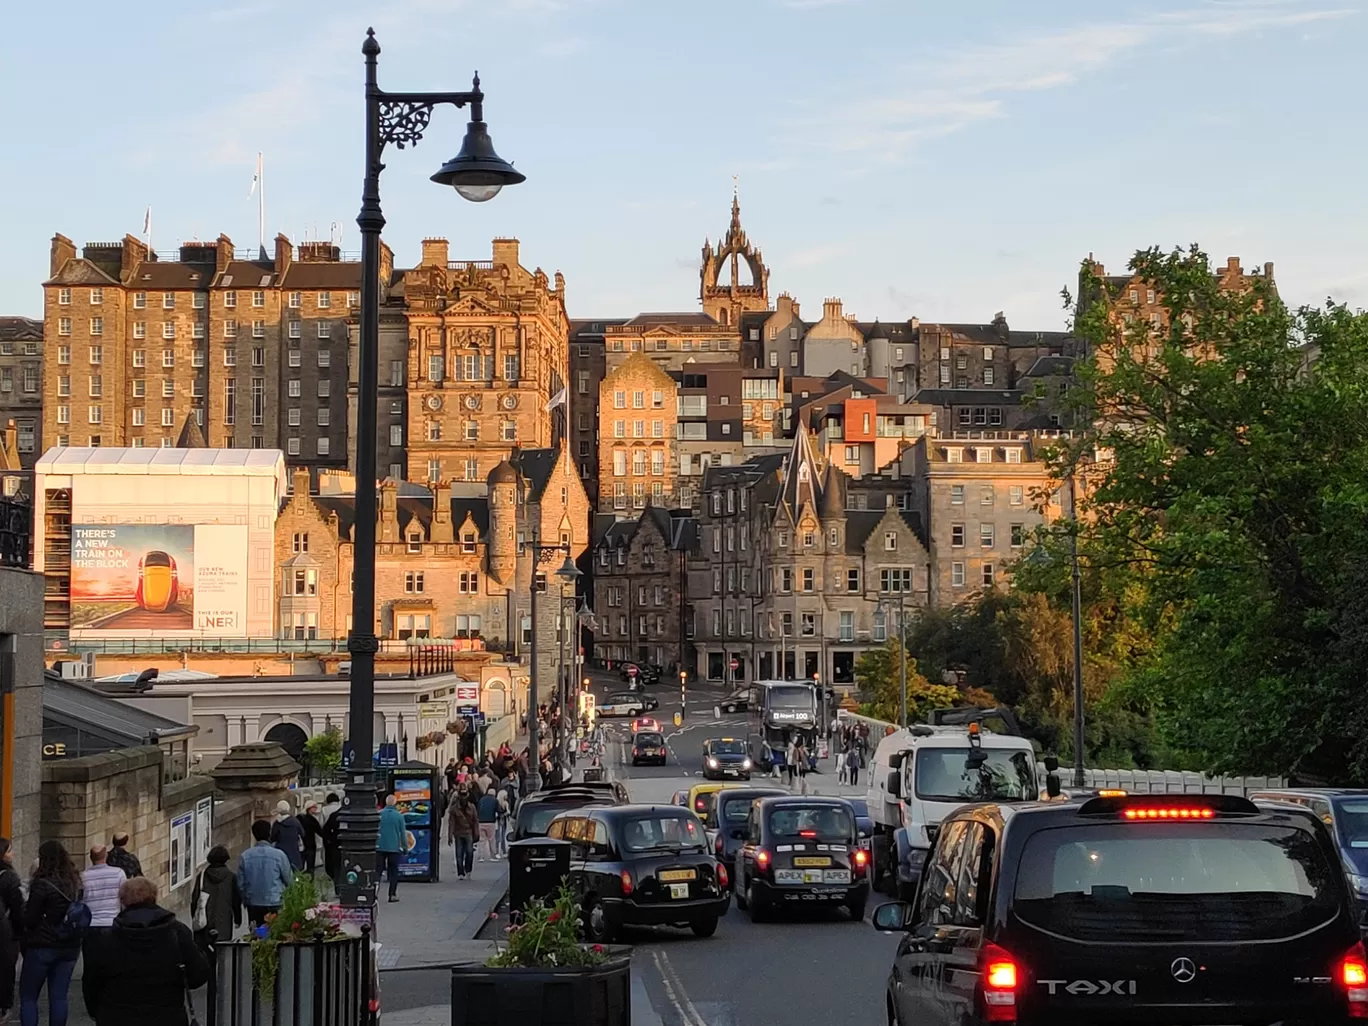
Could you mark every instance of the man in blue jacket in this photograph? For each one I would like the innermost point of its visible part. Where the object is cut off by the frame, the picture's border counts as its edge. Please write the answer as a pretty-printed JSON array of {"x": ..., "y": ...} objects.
[
  {"x": 392, "y": 844},
  {"x": 263, "y": 874}
]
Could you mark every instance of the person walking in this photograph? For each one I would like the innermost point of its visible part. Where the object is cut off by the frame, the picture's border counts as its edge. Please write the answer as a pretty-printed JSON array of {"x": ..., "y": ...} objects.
[
  {"x": 854, "y": 763},
  {"x": 487, "y": 810},
  {"x": 101, "y": 883},
  {"x": 802, "y": 755},
  {"x": 392, "y": 844},
  {"x": 11, "y": 926},
  {"x": 501, "y": 824},
  {"x": 120, "y": 856},
  {"x": 287, "y": 834},
  {"x": 463, "y": 827},
  {"x": 142, "y": 969},
  {"x": 332, "y": 846},
  {"x": 263, "y": 873},
  {"x": 313, "y": 833},
  {"x": 791, "y": 759},
  {"x": 51, "y": 941},
  {"x": 218, "y": 887},
  {"x": 841, "y": 766}
]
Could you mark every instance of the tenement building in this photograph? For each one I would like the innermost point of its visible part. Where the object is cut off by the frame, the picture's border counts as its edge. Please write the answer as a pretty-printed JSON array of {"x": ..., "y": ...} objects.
[
  {"x": 638, "y": 407},
  {"x": 487, "y": 361},
  {"x": 212, "y": 347},
  {"x": 640, "y": 583},
  {"x": 21, "y": 383}
]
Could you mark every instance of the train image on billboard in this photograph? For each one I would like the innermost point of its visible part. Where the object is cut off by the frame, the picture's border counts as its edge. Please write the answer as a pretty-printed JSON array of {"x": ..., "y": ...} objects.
[{"x": 158, "y": 582}]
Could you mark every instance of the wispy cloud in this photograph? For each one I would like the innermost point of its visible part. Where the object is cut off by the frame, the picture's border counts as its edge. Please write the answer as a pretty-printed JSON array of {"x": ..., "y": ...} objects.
[
  {"x": 933, "y": 99},
  {"x": 807, "y": 5}
]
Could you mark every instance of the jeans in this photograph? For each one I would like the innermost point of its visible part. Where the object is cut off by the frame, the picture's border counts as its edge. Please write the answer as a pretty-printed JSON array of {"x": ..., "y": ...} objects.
[
  {"x": 501, "y": 835},
  {"x": 390, "y": 861},
  {"x": 465, "y": 856},
  {"x": 54, "y": 967}
]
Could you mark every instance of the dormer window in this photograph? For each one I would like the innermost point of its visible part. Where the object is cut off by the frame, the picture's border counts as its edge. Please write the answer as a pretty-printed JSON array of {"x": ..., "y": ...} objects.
[
  {"x": 603, "y": 557},
  {"x": 954, "y": 455},
  {"x": 621, "y": 556},
  {"x": 415, "y": 542},
  {"x": 468, "y": 541}
]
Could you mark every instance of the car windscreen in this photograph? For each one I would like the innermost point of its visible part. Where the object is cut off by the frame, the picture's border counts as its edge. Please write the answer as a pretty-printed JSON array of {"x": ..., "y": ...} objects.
[
  {"x": 662, "y": 831},
  {"x": 813, "y": 823},
  {"x": 796, "y": 697},
  {"x": 728, "y": 748},
  {"x": 1351, "y": 820},
  {"x": 946, "y": 775},
  {"x": 535, "y": 817},
  {"x": 649, "y": 740},
  {"x": 734, "y": 810},
  {"x": 1187, "y": 882}
]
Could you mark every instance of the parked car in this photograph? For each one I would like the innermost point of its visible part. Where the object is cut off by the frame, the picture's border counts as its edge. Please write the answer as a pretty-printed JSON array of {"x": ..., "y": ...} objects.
[
  {"x": 536, "y": 811},
  {"x": 641, "y": 865},
  {"x": 644, "y": 672}
]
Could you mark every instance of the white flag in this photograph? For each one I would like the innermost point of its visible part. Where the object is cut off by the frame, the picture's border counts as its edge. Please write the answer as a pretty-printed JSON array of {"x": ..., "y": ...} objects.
[
  {"x": 557, "y": 400},
  {"x": 147, "y": 222},
  {"x": 256, "y": 178}
]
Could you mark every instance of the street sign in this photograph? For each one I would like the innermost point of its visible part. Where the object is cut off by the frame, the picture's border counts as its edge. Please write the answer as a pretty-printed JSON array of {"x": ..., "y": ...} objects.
[
  {"x": 631, "y": 671},
  {"x": 467, "y": 696},
  {"x": 433, "y": 710},
  {"x": 735, "y": 665}
]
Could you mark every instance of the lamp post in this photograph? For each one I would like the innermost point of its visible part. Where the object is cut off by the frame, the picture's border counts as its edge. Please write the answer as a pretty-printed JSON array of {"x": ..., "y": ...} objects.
[
  {"x": 477, "y": 173},
  {"x": 567, "y": 572},
  {"x": 1078, "y": 774}
]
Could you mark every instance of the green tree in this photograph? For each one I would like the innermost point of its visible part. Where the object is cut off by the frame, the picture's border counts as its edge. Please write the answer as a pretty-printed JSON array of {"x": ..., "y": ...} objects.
[
  {"x": 878, "y": 675},
  {"x": 324, "y": 751},
  {"x": 1224, "y": 517}
]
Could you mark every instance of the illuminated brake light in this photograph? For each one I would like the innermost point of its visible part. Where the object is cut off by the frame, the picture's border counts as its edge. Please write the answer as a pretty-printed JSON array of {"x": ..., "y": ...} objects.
[
  {"x": 762, "y": 859},
  {"x": 999, "y": 976},
  {"x": 807, "y": 833},
  {"x": 1175, "y": 812},
  {"x": 1111, "y": 793},
  {"x": 626, "y": 883},
  {"x": 861, "y": 859},
  {"x": 721, "y": 875},
  {"x": 1353, "y": 975}
]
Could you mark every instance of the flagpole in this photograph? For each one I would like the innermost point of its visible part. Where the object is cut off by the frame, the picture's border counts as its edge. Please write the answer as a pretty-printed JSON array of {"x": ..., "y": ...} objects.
[{"x": 261, "y": 203}]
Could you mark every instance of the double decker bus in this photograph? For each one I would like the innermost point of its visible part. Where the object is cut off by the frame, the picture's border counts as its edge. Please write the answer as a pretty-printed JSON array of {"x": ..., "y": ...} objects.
[{"x": 781, "y": 709}]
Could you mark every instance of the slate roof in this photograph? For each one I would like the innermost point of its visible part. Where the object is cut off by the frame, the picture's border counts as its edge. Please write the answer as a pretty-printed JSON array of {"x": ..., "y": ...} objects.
[
  {"x": 536, "y": 465},
  {"x": 341, "y": 275},
  {"x": 246, "y": 274},
  {"x": 72, "y": 704},
  {"x": 79, "y": 271},
  {"x": 653, "y": 320},
  {"x": 591, "y": 329},
  {"x": 1050, "y": 366},
  {"x": 1055, "y": 339},
  {"x": 20, "y": 329},
  {"x": 171, "y": 274},
  {"x": 961, "y": 396}
]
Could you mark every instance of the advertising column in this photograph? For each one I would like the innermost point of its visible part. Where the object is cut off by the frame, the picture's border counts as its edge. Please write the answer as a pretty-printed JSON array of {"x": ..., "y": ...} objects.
[{"x": 414, "y": 796}]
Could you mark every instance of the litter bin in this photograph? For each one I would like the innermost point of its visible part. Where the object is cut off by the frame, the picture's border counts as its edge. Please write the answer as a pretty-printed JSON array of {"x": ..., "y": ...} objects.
[
  {"x": 593, "y": 774},
  {"x": 536, "y": 867}
]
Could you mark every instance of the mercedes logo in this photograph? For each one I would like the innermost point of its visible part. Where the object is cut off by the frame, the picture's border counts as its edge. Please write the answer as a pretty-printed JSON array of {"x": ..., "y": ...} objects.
[{"x": 1183, "y": 969}]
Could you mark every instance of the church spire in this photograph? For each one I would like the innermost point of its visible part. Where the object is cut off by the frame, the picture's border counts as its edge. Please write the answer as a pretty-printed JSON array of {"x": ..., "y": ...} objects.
[{"x": 736, "y": 205}]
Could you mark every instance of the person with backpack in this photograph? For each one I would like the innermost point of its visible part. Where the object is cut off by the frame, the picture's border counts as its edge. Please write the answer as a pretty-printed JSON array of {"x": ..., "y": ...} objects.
[
  {"x": 11, "y": 926},
  {"x": 55, "y": 922},
  {"x": 216, "y": 901},
  {"x": 141, "y": 970}
]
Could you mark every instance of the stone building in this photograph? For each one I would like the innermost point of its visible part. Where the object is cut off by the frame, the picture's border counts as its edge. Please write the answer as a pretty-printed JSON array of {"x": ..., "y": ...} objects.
[
  {"x": 451, "y": 562},
  {"x": 587, "y": 368},
  {"x": 208, "y": 348},
  {"x": 638, "y": 407},
  {"x": 982, "y": 493},
  {"x": 487, "y": 355},
  {"x": 21, "y": 383},
  {"x": 725, "y": 296},
  {"x": 640, "y": 583}
]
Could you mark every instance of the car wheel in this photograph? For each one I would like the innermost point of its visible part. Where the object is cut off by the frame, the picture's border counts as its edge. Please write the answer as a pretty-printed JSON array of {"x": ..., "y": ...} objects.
[
  {"x": 729, "y": 708},
  {"x": 596, "y": 926},
  {"x": 755, "y": 904},
  {"x": 704, "y": 927},
  {"x": 857, "y": 911}
]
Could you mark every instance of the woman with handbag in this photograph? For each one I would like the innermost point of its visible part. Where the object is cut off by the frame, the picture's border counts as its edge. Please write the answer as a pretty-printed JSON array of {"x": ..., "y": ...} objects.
[
  {"x": 216, "y": 902},
  {"x": 53, "y": 929}
]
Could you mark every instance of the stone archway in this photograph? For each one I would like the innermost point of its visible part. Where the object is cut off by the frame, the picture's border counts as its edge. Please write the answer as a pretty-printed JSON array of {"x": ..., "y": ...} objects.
[{"x": 289, "y": 736}]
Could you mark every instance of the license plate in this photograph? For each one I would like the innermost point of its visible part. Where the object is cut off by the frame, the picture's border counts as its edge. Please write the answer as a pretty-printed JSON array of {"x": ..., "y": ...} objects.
[
  {"x": 838, "y": 876},
  {"x": 677, "y": 874},
  {"x": 788, "y": 876},
  {"x": 649, "y": 751},
  {"x": 679, "y": 890},
  {"x": 812, "y": 861}
]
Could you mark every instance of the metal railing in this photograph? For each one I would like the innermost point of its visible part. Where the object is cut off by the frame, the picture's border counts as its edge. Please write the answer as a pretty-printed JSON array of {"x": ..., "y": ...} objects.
[{"x": 318, "y": 983}]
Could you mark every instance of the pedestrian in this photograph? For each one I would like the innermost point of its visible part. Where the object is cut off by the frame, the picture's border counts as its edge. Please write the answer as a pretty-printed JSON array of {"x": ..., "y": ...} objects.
[
  {"x": 802, "y": 755},
  {"x": 501, "y": 825},
  {"x": 791, "y": 759},
  {"x": 331, "y": 806},
  {"x": 263, "y": 873},
  {"x": 449, "y": 774},
  {"x": 120, "y": 856},
  {"x": 287, "y": 834},
  {"x": 463, "y": 827},
  {"x": 487, "y": 809},
  {"x": 52, "y": 935},
  {"x": 142, "y": 970},
  {"x": 332, "y": 847},
  {"x": 841, "y": 766},
  {"x": 392, "y": 844},
  {"x": 217, "y": 887},
  {"x": 854, "y": 763},
  {"x": 313, "y": 832},
  {"x": 101, "y": 884},
  {"x": 11, "y": 926}
]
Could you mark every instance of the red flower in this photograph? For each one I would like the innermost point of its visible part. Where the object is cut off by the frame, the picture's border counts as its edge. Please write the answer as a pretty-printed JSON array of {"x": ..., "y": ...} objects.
[
  {"x": 295, "y": 927},
  {"x": 597, "y": 949},
  {"x": 554, "y": 917}
]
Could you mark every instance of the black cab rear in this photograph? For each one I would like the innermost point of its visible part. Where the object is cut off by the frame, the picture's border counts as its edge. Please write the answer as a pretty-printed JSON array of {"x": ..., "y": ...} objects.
[
  {"x": 1163, "y": 909},
  {"x": 731, "y": 813},
  {"x": 648, "y": 746},
  {"x": 642, "y": 865},
  {"x": 537, "y": 810},
  {"x": 801, "y": 851}
]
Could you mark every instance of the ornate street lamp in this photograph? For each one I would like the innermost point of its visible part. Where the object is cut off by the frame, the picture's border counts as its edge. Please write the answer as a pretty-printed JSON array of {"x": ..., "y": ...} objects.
[{"x": 477, "y": 173}]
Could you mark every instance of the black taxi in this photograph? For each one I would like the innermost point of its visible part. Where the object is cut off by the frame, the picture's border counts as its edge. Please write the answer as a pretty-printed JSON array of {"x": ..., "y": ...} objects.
[
  {"x": 1140, "y": 909},
  {"x": 730, "y": 814},
  {"x": 642, "y": 865},
  {"x": 801, "y": 851}
]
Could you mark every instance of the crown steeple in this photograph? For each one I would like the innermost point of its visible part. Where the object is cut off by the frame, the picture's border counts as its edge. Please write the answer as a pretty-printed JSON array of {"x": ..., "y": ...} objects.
[{"x": 726, "y": 303}]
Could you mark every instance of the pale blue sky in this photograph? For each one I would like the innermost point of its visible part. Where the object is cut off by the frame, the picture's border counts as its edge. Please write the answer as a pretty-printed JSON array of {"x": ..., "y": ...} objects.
[{"x": 939, "y": 159}]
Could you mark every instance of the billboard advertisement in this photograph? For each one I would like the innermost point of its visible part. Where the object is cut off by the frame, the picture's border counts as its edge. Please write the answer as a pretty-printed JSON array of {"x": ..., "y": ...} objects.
[{"x": 182, "y": 580}]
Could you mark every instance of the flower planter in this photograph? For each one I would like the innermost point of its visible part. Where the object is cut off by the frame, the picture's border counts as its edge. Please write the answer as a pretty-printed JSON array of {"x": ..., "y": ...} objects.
[
  {"x": 599, "y": 995},
  {"x": 319, "y": 983}
]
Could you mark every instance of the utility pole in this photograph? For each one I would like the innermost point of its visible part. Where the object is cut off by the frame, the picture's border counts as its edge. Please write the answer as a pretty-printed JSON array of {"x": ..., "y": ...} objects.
[{"x": 1078, "y": 774}]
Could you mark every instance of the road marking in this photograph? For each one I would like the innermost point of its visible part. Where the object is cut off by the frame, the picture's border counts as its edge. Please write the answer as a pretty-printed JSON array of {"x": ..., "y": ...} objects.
[{"x": 674, "y": 990}]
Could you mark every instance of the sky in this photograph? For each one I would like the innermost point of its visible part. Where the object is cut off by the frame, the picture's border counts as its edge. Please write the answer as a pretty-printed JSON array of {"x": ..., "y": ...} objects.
[{"x": 939, "y": 160}]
